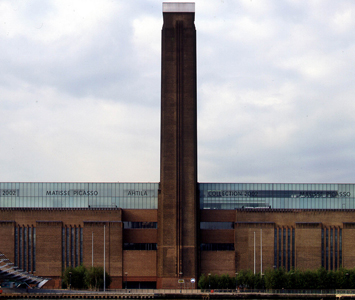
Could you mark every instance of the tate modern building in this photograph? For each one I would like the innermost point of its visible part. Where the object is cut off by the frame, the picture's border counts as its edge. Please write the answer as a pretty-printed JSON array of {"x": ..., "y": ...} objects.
[{"x": 151, "y": 235}]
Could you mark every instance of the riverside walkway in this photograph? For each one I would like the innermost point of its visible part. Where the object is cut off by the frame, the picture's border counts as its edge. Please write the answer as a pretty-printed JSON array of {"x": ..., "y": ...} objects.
[{"x": 179, "y": 294}]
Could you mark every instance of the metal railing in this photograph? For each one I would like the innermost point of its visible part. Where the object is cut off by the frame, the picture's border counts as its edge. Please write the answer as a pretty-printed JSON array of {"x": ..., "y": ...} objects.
[
  {"x": 226, "y": 291},
  {"x": 9, "y": 271}
]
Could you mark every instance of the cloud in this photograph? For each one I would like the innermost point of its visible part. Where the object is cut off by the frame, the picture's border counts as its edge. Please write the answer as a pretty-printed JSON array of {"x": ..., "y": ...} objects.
[
  {"x": 65, "y": 137},
  {"x": 275, "y": 111},
  {"x": 80, "y": 90}
]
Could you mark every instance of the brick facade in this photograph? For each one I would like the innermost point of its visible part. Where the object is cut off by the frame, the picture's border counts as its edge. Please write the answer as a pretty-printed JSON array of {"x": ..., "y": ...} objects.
[
  {"x": 275, "y": 247},
  {"x": 52, "y": 224}
]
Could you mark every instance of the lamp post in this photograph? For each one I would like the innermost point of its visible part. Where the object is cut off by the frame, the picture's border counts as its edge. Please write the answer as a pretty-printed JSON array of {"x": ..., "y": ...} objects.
[
  {"x": 69, "y": 280},
  {"x": 126, "y": 274},
  {"x": 209, "y": 282},
  {"x": 236, "y": 281},
  {"x": 180, "y": 274}
]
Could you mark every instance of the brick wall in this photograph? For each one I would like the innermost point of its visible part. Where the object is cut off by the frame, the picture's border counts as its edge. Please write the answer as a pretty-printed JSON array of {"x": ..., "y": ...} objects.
[
  {"x": 308, "y": 246},
  {"x": 7, "y": 238},
  {"x": 218, "y": 262},
  {"x": 49, "y": 224},
  {"x": 48, "y": 248}
]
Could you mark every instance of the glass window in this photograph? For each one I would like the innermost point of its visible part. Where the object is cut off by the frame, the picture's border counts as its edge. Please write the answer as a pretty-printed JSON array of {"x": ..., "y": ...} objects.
[
  {"x": 216, "y": 225},
  {"x": 217, "y": 247},
  {"x": 335, "y": 248},
  {"x": 34, "y": 250},
  {"x": 280, "y": 247},
  {"x": 81, "y": 246},
  {"x": 68, "y": 245},
  {"x": 293, "y": 248},
  {"x": 275, "y": 247},
  {"x": 284, "y": 248},
  {"x": 288, "y": 249},
  {"x": 20, "y": 248},
  {"x": 29, "y": 249},
  {"x": 327, "y": 249},
  {"x": 72, "y": 247},
  {"x": 331, "y": 248},
  {"x": 140, "y": 246},
  {"x": 16, "y": 247},
  {"x": 322, "y": 248},
  {"x": 340, "y": 248},
  {"x": 135, "y": 225},
  {"x": 145, "y": 195},
  {"x": 76, "y": 246},
  {"x": 63, "y": 247}
]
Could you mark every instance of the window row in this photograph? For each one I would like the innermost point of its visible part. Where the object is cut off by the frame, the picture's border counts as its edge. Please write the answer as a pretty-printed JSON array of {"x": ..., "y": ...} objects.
[
  {"x": 217, "y": 247},
  {"x": 140, "y": 246},
  {"x": 280, "y": 203},
  {"x": 80, "y": 202},
  {"x": 25, "y": 248},
  {"x": 284, "y": 248},
  {"x": 276, "y": 187},
  {"x": 216, "y": 225},
  {"x": 72, "y": 246},
  {"x": 82, "y": 189},
  {"x": 332, "y": 248},
  {"x": 134, "y": 225}
]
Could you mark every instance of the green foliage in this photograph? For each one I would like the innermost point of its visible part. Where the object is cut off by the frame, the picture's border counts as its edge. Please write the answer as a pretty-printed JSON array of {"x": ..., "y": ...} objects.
[
  {"x": 224, "y": 281},
  {"x": 83, "y": 278},
  {"x": 296, "y": 279},
  {"x": 214, "y": 281},
  {"x": 246, "y": 279},
  {"x": 95, "y": 278},
  {"x": 75, "y": 277},
  {"x": 202, "y": 282}
]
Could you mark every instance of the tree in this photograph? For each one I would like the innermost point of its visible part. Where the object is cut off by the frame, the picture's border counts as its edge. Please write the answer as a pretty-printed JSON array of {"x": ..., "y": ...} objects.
[
  {"x": 276, "y": 279},
  {"x": 226, "y": 282},
  {"x": 95, "y": 278},
  {"x": 82, "y": 278},
  {"x": 203, "y": 282},
  {"x": 223, "y": 281},
  {"x": 246, "y": 279},
  {"x": 75, "y": 277}
]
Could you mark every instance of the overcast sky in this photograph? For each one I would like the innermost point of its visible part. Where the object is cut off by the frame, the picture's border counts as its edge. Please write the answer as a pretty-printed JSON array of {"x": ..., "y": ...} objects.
[{"x": 80, "y": 90}]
